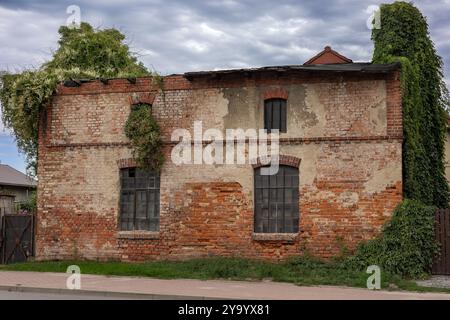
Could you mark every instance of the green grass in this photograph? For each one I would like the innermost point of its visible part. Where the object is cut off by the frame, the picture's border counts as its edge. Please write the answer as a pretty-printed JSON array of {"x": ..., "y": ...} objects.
[{"x": 301, "y": 271}]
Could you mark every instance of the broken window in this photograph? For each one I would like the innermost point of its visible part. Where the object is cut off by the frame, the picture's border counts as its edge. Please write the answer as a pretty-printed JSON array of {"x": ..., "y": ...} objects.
[
  {"x": 277, "y": 201},
  {"x": 275, "y": 114},
  {"x": 139, "y": 200}
]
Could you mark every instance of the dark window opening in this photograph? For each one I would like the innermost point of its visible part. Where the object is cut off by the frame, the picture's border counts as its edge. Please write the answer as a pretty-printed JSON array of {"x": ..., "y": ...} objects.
[
  {"x": 277, "y": 201},
  {"x": 139, "y": 200},
  {"x": 275, "y": 114}
]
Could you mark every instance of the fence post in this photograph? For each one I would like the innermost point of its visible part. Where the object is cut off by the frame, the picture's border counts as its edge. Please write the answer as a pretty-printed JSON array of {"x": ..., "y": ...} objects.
[{"x": 441, "y": 262}]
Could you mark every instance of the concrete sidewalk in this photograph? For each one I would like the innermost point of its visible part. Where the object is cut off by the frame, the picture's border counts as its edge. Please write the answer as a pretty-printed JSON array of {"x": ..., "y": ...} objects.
[{"x": 149, "y": 288}]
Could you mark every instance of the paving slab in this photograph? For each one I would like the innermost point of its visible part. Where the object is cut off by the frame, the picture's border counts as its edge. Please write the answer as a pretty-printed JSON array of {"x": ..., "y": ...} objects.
[{"x": 435, "y": 282}]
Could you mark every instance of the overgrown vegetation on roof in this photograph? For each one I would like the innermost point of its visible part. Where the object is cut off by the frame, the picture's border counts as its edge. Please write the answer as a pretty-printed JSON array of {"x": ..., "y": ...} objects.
[{"x": 83, "y": 52}]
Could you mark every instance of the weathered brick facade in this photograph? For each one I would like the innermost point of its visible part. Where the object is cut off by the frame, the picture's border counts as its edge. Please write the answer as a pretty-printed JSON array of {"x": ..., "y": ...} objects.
[{"x": 344, "y": 132}]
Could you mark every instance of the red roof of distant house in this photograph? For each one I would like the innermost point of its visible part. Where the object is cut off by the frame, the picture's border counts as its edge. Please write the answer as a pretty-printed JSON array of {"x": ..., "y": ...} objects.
[{"x": 328, "y": 56}]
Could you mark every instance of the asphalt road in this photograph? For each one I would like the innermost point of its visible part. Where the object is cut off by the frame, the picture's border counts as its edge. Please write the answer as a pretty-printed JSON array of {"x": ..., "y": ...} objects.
[{"x": 15, "y": 295}]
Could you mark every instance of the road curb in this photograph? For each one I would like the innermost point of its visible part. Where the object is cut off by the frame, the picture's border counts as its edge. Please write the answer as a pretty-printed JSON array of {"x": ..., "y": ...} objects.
[{"x": 112, "y": 294}]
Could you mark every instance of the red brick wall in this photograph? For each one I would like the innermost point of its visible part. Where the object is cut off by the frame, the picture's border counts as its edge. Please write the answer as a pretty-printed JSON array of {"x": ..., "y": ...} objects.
[{"x": 345, "y": 134}]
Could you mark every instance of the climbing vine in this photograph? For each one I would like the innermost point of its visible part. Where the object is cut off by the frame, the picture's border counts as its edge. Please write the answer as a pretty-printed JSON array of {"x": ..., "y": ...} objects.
[
  {"x": 405, "y": 247},
  {"x": 144, "y": 134},
  {"x": 83, "y": 53},
  {"x": 404, "y": 37}
]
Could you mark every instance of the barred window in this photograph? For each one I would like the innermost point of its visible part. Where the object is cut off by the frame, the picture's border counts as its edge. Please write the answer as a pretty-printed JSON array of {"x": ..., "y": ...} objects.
[
  {"x": 277, "y": 201},
  {"x": 275, "y": 115},
  {"x": 139, "y": 200}
]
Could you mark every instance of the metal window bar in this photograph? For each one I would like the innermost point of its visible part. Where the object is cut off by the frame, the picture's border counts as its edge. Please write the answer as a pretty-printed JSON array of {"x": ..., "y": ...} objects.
[
  {"x": 275, "y": 115},
  {"x": 274, "y": 210},
  {"x": 137, "y": 188}
]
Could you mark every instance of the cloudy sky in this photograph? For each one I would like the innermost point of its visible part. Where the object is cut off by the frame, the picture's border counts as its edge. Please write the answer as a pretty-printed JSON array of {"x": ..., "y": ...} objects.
[{"x": 180, "y": 36}]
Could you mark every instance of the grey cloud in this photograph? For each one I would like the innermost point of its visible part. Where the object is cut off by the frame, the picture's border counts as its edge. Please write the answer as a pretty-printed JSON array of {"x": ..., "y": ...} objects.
[{"x": 179, "y": 36}]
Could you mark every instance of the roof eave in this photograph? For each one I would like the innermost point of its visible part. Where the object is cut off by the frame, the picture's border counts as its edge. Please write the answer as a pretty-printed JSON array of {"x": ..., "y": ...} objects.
[
  {"x": 338, "y": 68},
  {"x": 18, "y": 185}
]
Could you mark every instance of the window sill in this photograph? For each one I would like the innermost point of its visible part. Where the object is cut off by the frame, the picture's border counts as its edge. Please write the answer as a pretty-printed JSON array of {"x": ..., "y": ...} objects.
[
  {"x": 290, "y": 237},
  {"x": 145, "y": 235}
]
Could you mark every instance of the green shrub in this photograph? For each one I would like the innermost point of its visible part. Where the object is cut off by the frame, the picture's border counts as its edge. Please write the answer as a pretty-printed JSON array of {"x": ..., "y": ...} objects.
[
  {"x": 30, "y": 204},
  {"x": 407, "y": 244}
]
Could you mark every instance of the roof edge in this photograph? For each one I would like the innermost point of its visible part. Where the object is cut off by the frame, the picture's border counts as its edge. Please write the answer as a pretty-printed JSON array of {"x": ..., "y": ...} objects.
[
  {"x": 18, "y": 185},
  {"x": 363, "y": 67}
]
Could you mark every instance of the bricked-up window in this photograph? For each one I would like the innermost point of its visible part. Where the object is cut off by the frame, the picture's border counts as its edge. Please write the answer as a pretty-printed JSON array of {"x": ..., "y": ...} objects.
[
  {"x": 139, "y": 200},
  {"x": 275, "y": 114},
  {"x": 276, "y": 201}
]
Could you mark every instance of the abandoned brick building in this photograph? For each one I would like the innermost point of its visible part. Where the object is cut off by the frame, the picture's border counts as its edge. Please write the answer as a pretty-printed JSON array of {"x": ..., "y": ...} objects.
[{"x": 340, "y": 171}]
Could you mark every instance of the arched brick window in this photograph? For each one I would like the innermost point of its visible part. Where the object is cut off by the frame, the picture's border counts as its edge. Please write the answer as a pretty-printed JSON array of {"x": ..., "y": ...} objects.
[
  {"x": 275, "y": 114},
  {"x": 277, "y": 201}
]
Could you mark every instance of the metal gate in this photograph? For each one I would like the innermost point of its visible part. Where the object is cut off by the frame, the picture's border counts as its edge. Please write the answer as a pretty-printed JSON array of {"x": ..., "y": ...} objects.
[
  {"x": 16, "y": 238},
  {"x": 441, "y": 264}
]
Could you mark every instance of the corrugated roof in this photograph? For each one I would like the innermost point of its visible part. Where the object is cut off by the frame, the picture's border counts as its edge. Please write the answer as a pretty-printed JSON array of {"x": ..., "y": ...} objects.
[
  {"x": 364, "y": 67},
  {"x": 12, "y": 177}
]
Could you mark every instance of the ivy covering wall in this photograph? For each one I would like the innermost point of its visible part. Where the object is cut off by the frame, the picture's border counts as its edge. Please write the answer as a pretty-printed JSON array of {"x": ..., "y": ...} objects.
[
  {"x": 144, "y": 134},
  {"x": 404, "y": 37}
]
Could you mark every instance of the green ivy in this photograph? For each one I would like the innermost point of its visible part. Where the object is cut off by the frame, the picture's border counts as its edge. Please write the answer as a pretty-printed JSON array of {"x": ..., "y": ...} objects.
[
  {"x": 144, "y": 134},
  {"x": 83, "y": 52},
  {"x": 404, "y": 38},
  {"x": 406, "y": 246}
]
